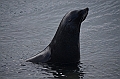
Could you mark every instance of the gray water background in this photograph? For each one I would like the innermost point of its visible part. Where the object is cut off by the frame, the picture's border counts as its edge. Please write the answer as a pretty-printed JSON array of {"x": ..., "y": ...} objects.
[{"x": 28, "y": 26}]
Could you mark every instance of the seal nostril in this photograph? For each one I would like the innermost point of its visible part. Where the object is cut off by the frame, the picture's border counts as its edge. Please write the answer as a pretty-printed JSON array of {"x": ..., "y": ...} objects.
[{"x": 87, "y": 9}]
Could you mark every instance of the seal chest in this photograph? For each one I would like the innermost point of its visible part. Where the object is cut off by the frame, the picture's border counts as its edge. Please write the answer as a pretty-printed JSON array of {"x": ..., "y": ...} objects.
[{"x": 65, "y": 46}]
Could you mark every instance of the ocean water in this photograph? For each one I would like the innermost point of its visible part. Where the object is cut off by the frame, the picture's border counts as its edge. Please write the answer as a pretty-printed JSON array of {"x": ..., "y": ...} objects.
[{"x": 28, "y": 26}]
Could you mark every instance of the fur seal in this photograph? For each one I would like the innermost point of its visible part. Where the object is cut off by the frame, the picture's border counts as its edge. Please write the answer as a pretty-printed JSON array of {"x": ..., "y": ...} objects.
[{"x": 65, "y": 46}]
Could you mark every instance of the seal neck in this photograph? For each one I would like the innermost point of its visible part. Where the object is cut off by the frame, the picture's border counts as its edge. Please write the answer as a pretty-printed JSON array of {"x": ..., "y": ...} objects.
[{"x": 65, "y": 38}]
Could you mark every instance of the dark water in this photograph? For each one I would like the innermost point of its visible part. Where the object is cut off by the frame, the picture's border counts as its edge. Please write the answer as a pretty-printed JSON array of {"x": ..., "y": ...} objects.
[{"x": 28, "y": 26}]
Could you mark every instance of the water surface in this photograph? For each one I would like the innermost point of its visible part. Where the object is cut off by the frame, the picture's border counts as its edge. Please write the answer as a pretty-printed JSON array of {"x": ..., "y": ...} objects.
[{"x": 27, "y": 27}]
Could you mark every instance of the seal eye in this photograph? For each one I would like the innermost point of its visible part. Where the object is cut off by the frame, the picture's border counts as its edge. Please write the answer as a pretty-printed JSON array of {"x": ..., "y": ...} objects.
[{"x": 69, "y": 20}]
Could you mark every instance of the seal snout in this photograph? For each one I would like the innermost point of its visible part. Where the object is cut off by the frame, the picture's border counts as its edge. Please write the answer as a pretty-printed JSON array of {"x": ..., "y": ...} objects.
[
  {"x": 83, "y": 13},
  {"x": 87, "y": 9}
]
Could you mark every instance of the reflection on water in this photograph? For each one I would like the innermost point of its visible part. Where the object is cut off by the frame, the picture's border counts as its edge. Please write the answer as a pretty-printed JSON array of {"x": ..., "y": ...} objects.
[{"x": 67, "y": 72}]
